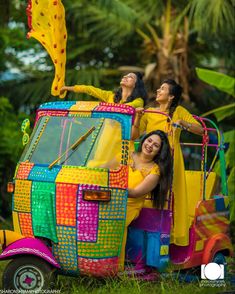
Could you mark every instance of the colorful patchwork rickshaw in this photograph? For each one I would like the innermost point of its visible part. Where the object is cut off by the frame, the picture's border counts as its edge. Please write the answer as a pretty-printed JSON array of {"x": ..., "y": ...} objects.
[{"x": 69, "y": 205}]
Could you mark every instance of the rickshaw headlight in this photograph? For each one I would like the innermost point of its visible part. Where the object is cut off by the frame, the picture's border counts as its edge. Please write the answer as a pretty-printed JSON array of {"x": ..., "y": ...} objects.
[
  {"x": 94, "y": 195},
  {"x": 10, "y": 187}
]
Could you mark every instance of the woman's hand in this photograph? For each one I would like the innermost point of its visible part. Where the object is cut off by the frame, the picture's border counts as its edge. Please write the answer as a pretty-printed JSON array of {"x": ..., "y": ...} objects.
[
  {"x": 66, "y": 88},
  {"x": 146, "y": 186},
  {"x": 139, "y": 111},
  {"x": 135, "y": 133},
  {"x": 193, "y": 128},
  {"x": 138, "y": 114},
  {"x": 131, "y": 193},
  {"x": 178, "y": 124}
]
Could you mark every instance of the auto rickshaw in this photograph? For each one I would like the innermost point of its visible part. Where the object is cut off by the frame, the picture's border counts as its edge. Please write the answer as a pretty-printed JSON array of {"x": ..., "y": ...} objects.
[{"x": 69, "y": 205}]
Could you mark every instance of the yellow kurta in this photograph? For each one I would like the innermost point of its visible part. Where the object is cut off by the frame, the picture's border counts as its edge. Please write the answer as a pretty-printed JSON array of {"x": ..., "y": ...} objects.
[
  {"x": 154, "y": 121},
  {"x": 134, "y": 205},
  {"x": 106, "y": 96},
  {"x": 109, "y": 144}
]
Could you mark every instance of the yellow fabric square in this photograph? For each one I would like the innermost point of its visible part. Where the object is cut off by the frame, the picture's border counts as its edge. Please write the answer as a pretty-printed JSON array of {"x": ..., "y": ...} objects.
[{"x": 164, "y": 250}]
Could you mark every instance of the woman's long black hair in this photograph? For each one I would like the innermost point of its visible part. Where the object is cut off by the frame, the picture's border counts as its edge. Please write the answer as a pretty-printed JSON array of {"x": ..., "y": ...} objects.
[
  {"x": 138, "y": 91},
  {"x": 176, "y": 91},
  {"x": 165, "y": 163}
]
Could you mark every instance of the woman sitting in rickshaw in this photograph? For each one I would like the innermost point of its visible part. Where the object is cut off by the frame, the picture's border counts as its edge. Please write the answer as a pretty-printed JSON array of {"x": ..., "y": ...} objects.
[
  {"x": 168, "y": 96},
  {"x": 150, "y": 173}
]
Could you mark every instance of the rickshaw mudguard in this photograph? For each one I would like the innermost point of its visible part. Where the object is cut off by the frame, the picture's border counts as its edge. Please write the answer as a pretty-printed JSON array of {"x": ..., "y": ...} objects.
[
  {"x": 217, "y": 243},
  {"x": 29, "y": 246}
]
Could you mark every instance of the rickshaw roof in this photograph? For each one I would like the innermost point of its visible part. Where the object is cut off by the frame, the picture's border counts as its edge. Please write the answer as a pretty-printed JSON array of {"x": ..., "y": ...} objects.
[{"x": 86, "y": 106}]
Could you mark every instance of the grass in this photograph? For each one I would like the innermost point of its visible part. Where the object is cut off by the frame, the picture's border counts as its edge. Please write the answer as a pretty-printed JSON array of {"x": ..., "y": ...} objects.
[
  {"x": 126, "y": 285},
  {"x": 132, "y": 286}
]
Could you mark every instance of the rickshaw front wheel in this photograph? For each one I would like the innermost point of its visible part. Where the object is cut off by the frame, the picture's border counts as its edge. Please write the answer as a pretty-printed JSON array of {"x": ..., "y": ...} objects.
[{"x": 28, "y": 273}]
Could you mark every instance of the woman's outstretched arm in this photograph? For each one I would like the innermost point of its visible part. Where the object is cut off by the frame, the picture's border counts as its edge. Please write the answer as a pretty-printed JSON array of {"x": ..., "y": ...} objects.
[{"x": 146, "y": 186}]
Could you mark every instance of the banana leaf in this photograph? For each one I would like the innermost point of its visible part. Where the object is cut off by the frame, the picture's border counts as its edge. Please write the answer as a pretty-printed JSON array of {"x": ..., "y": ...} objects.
[
  {"x": 222, "y": 112},
  {"x": 219, "y": 80}
]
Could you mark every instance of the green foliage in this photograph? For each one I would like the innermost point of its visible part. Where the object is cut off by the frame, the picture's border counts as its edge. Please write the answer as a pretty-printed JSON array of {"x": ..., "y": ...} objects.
[
  {"x": 213, "y": 16},
  {"x": 9, "y": 133},
  {"x": 225, "y": 84},
  {"x": 222, "y": 112},
  {"x": 10, "y": 146},
  {"x": 219, "y": 80}
]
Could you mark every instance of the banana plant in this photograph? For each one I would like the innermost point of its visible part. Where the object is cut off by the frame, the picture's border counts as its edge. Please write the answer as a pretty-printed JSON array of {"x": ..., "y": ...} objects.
[{"x": 226, "y": 84}]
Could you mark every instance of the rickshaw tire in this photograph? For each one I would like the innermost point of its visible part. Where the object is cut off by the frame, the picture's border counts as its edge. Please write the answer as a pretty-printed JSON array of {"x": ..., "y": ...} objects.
[
  {"x": 28, "y": 273},
  {"x": 219, "y": 258}
]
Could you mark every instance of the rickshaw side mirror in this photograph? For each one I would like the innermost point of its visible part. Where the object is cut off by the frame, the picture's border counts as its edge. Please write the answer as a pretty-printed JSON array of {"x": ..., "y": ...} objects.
[{"x": 24, "y": 129}]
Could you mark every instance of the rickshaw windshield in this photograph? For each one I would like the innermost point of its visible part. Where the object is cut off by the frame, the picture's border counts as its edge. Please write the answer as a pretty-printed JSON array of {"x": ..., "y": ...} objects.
[{"x": 53, "y": 136}]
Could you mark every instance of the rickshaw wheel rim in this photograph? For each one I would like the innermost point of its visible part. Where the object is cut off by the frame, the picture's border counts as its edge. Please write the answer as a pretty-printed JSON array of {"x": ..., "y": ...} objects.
[{"x": 28, "y": 277}]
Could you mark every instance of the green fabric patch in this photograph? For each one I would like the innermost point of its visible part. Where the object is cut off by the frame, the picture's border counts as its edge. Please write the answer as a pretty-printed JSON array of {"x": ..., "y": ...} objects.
[{"x": 43, "y": 210}]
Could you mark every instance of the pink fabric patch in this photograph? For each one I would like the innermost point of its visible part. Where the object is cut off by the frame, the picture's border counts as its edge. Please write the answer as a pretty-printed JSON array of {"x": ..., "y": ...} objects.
[{"x": 87, "y": 216}]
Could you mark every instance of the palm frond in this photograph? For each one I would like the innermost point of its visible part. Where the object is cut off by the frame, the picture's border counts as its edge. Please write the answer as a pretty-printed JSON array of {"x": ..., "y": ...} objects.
[{"x": 213, "y": 16}]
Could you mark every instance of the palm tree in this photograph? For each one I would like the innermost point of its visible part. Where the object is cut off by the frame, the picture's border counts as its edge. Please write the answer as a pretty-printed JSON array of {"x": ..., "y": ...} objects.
[
  {"x": 153, "y": 34},
  {"x": 164, "y": 26}
]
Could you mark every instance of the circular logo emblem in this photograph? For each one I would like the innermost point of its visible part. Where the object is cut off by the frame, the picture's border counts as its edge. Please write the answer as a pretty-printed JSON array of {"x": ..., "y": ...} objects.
[{"x": 212, "y": 271}]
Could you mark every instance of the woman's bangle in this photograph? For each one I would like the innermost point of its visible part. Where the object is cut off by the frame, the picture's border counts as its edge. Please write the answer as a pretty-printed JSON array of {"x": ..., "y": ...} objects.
[{"x": 135, "y": 126}]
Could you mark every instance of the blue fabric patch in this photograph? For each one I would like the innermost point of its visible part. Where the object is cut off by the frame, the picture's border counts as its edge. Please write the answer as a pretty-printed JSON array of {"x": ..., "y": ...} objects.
[
  {"x": 66, "y": 105},
  {"x": 219, "y": 204},
  {"x": 41, "y": 173},
  {"x": 135, "y": 245}
]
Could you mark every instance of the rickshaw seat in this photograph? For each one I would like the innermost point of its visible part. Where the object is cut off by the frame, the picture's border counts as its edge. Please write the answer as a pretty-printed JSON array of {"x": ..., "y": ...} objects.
[{"x": 193, "y": 183}]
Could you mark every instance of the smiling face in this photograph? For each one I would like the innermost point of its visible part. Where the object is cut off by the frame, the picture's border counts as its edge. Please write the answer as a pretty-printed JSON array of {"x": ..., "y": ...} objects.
[
  {"x": 129, "y": 80},
  {"x": 163, "y": 94},
  {"x": 151, "y": 146}
]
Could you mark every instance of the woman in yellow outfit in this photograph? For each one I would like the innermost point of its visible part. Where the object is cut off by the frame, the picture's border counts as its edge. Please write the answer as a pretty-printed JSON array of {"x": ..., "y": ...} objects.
[
  {"x": 149, "y": 175},
  {"x": 131, "y": 92},
  {"x": 168, "y": 96}
]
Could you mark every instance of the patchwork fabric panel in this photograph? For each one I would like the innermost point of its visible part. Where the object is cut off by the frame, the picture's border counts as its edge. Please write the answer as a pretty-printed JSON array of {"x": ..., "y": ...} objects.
[
  {"x": 43, "y": 210},
  {"x": 65, "y": 251},
  {"x": 57, "y": 106},
  {"x": 25, "y": 220},
  {"x": 84, "y": 107},
  {"x": 23, "y": 170},
  {"x": 66, "y": 204},
  {"x": 108, "y": 241},
  {"x": 76, "y": 175},
  {"x": 43, "y": 174},
  {"x": 51, "y": 113},
  {"x": 22, "y": 194},
  {"x": 119, "y": 178},
  {"x": 116, "y": 208},
  {"x": 125, "y": 152},
  {"x": 87, "y": 216},
  {"x": 98, "y": 267}
]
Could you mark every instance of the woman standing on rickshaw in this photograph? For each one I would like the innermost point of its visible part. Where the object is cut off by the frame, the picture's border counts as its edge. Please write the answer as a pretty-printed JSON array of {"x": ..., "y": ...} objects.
[
  {"x": 168, "y": 96},
  {"x": 131, "y": 92}
]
